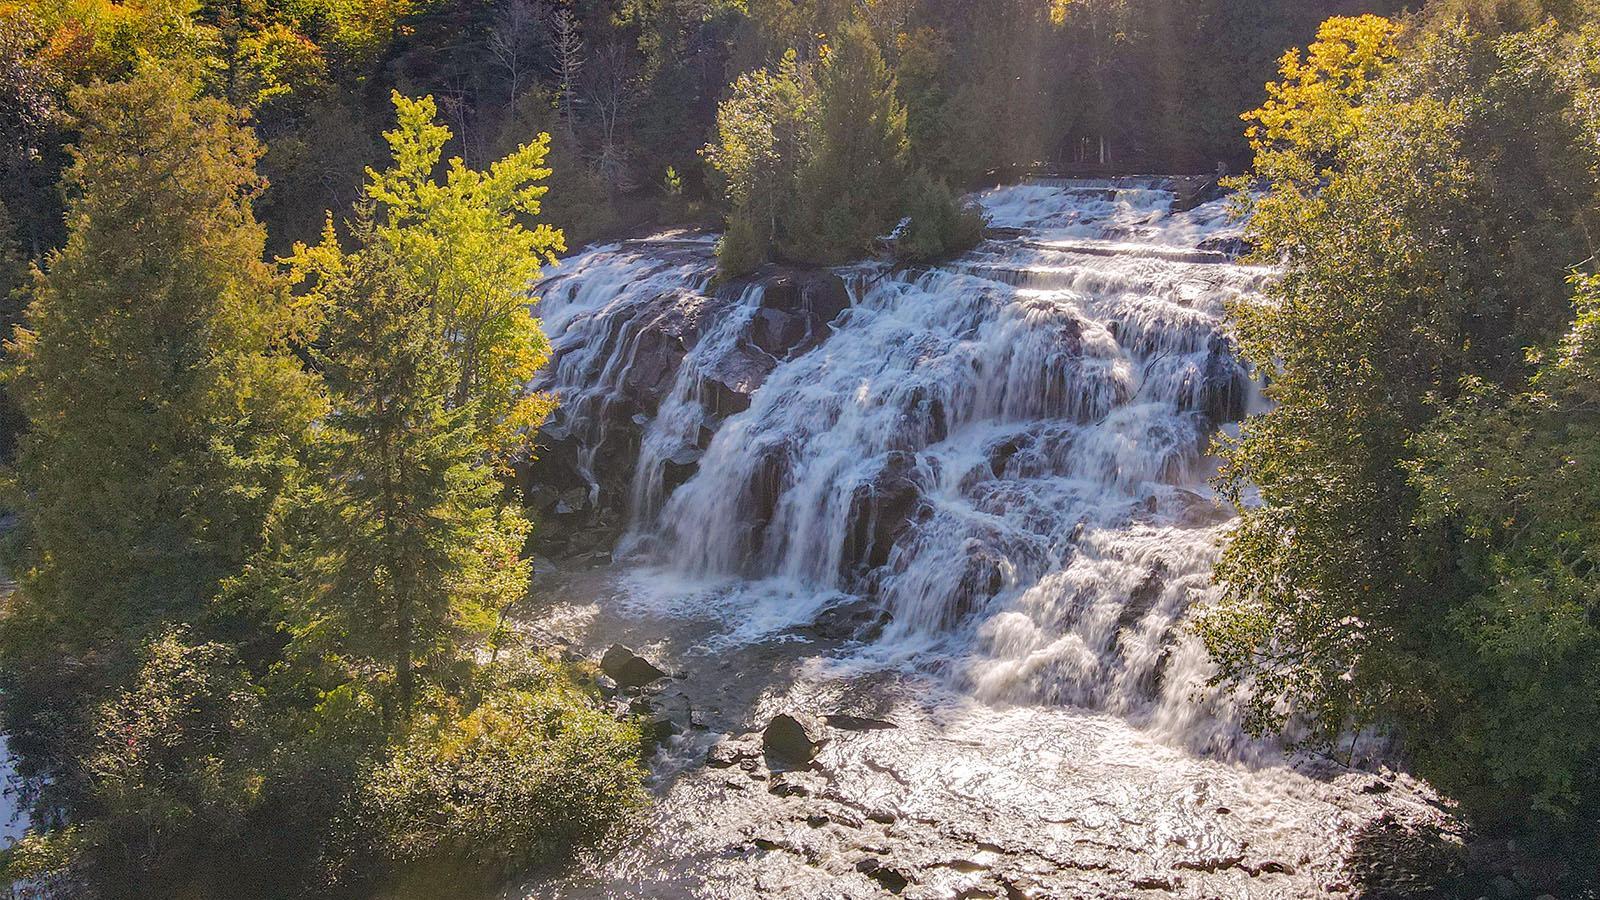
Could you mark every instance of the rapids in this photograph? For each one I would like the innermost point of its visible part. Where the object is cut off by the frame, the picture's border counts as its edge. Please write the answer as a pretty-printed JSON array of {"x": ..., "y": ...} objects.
[{"x": 970, "y": 499}]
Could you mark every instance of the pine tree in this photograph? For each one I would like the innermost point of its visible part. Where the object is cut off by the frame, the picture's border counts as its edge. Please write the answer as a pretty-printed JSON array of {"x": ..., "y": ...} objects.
[
  {"x": 152, "y": 369},
  {"x": 413, "y": 544},
  {"x": 852, "y": 183}
]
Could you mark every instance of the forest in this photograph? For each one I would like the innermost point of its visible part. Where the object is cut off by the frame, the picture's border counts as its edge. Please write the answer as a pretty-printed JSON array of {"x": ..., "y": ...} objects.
[{"x": 264, "y": 394}]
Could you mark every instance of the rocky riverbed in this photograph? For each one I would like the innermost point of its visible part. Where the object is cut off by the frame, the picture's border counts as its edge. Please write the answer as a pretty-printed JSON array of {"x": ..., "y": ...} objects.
[
  {"x": 919, "y": 791},
  {"x": 954, "y": 521}
]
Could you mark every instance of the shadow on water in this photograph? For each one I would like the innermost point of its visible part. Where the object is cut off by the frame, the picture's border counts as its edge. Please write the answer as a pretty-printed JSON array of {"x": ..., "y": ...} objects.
[{"x": 1393, "y": 860}]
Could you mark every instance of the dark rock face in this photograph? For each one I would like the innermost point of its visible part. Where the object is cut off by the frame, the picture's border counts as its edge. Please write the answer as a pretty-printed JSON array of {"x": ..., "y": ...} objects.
[
  {"x": 758, "y": 501},
  {"x": 628, "y": 669},
  {"x": 982, "y": 579},
  {"x": 1226, "y": 389},
  {"x": 862, "y": 620},
  {"x": 881, "y": 510},
  {"x": 730, "y": 379},
  {"x": 788, "y": 742},
  {"x": 629, "y": 357},
  {"x": 796, "y": 312}
]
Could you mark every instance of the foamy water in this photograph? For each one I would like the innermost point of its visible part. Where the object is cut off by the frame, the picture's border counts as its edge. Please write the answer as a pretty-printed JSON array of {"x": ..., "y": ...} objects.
[{"x": 1007, "y": 454}]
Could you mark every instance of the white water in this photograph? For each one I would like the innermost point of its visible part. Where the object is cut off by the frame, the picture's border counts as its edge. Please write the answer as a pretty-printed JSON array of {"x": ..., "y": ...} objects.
[
  {"x": 1036, "y": 412},
  {"x": 1007, "y": 454}
]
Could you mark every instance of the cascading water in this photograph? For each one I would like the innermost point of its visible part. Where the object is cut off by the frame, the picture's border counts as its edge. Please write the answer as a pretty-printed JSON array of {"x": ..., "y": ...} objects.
[
  {"x": 969, "y": 501},
  {"x": 1007, "y": 452}
]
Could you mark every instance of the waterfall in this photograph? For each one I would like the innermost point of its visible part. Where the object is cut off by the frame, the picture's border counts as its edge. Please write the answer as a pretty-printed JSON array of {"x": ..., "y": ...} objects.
[{"x": 1007, "y": 453}]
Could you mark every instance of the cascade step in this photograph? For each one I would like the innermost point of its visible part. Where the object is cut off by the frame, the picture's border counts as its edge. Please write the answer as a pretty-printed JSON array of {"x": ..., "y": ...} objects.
[{"x": 1144, "y": 251}]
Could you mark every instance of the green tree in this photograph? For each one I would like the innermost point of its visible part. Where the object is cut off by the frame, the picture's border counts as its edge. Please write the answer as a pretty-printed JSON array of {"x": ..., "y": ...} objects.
[
  {"x": 152, "y": 367},
  {"x": 852, "y": 183},
  {"x": 1517, "y": 478},
  {"x": 426, "y": 347},
  {"x": 1425, "y": 240},
  {"x": 764, "y": 132}
]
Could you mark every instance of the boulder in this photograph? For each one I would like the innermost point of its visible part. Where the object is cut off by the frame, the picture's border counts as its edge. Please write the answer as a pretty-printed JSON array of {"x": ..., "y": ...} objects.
[
  {"x": 658, "y": 731},
  {"x": 629, "y": 669},
  {"x": 796, "y": 311},
  {"x": 862, "y": 619},
  {"x": 728, "y": 754},
  {"x": 893, "y": 880},
  {"x": 779, "y": 333},
  {"x": 788, "y": 742},
  {"x": 730, "y": 379}
]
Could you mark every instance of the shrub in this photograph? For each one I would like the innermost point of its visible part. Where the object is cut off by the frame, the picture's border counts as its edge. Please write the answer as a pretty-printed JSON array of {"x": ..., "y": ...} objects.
[
  {"x": 940, "y": 224},
  {"x": 740, "y": 251},
  {"x": 533, "y": 771}
]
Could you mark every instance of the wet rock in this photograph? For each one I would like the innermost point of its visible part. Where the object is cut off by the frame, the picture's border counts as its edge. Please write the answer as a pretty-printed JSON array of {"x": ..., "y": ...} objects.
[
  {"x": 1199, "y": 511},
  {"x": 629, "y": 669},
  {"x": 1229, "y": 245},
  {"x": 1143, "y": 598},
  {"x": 759, "y": 496},
  {"x": 780, "y": 334},
  {"x": 1001, "y": 452},
  {"x": 658, "y": 731},
  {"x": 681, "y": 467},
  {"x": 572, "y": 502},
  {"x": 983, "y": 577},
  {"x": 728, "y": 754},
  {"x": 818, "y": 296},
  {"x": 893, "y": 880},
  {"x": 881, "y": 510},
  {"x": 857, "y": 723},
  {"x": 923, "y": 420},
  {"x": 1225, "y": 388},
  {"x": 789, "y": 742},
  {"x": 730, "y": 379},
  {"x": 862, "y": 619}
]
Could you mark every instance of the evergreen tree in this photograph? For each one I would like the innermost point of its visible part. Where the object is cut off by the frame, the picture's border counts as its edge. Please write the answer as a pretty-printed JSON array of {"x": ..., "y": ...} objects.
[
  {"x": 853, "y": 181},
  {"x": 413, "y": 546},
  {"x": 153, "y": 371}
]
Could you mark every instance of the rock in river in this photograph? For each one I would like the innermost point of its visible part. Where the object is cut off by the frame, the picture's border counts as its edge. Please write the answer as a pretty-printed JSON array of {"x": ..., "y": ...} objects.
[
  {"x": 629, "y": 669},
  {"x": 788, "y": 742}
]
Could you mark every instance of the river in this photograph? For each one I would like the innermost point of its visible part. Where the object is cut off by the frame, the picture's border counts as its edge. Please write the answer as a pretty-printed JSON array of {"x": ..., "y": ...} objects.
[{"x": 960, "y": 517}]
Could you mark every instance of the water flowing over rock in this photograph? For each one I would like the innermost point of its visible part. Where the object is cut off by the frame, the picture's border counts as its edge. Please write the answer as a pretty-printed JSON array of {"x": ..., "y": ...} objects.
[
  {"x": 980, "y": 490},
  {"x": 1003, "y": 453}
]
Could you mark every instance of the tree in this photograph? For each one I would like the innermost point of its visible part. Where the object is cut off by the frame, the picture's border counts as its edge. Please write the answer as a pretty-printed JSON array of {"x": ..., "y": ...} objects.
[
  {"x": 1516, "y": 476},
  {"x": 852, "y": 181},
  {"x": 426, "y": 347},
  {"x": 152, "y": 366},
  {"x": 1425, "y": 227},
  {"x": 763, "y": 135}
]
